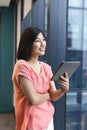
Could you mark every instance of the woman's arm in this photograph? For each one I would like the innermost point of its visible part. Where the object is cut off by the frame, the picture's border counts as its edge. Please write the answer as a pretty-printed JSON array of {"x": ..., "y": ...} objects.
[
  {"x": 56, "y": 94},
  {"x": 30, "y": 93}
]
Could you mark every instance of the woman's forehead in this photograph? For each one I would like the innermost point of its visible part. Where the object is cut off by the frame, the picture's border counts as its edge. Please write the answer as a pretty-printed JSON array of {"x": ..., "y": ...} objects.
[{"x": 40, "y": 35}]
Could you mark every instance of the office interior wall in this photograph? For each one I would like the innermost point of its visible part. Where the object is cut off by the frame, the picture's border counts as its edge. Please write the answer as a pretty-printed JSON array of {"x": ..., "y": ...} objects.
[{"x": 6, "y": 58}]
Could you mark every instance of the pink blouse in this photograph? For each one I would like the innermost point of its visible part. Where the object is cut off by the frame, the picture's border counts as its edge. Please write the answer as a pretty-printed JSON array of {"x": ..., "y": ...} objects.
[{"x": 32, "y": 117}]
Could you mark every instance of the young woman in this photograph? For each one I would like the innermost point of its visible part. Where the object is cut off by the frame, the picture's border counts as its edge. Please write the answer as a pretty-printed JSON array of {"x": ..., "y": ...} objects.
[{"x": 33, "y": 89}]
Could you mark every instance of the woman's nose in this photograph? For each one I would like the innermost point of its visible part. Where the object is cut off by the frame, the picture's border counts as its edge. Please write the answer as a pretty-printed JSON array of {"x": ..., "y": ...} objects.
[{"x": 43, "y": 43}]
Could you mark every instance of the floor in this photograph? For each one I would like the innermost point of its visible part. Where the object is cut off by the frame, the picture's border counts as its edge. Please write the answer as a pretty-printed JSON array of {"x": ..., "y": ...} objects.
[{"x": 7, "y": 121}]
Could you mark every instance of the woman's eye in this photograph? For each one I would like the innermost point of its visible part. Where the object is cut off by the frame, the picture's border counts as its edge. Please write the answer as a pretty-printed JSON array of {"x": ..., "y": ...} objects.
[
  {"x": 44, "y": 39},
  {"x": 37, "y": 40}
]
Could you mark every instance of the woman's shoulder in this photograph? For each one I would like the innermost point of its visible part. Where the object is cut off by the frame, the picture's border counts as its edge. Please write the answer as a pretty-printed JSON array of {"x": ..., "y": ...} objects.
[
  {"x": 22, "y": 65},
  {"x": 21, "y": 62}
]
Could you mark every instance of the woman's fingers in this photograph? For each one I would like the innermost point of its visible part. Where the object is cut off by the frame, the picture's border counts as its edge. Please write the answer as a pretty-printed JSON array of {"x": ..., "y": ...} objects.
[{"x": 64, "y": 81}]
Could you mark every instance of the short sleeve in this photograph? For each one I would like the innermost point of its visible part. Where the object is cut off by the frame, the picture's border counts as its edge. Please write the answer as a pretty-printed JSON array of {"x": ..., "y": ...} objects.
[{"x": 22, "y": 69}]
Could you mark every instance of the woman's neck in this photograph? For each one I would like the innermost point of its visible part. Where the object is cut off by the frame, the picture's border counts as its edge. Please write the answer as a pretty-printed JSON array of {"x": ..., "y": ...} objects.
[
  {"x": 35, "y": 64},
  {"x": 33, "y": 60}
]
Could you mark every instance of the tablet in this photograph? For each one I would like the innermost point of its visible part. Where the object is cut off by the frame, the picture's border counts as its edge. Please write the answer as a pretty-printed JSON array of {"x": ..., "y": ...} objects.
[{"x": 66, "y": 66}]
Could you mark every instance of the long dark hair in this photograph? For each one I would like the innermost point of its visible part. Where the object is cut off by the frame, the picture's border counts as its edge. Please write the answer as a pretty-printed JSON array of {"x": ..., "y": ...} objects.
[{"x": 26, "y": 42}]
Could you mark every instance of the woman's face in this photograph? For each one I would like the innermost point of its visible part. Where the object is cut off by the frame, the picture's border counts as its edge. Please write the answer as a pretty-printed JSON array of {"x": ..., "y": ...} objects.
[{"x": 39, "y": 45}]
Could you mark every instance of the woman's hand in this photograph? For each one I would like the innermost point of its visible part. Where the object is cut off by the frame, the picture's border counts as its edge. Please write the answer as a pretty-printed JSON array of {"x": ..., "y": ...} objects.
[
  {"x": 64, "y": 82},
  {"x": 55, "y": 94}
]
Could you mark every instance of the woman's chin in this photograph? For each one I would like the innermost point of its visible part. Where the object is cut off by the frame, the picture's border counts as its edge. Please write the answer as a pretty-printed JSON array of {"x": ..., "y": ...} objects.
[{"x": 43, "y": 53}]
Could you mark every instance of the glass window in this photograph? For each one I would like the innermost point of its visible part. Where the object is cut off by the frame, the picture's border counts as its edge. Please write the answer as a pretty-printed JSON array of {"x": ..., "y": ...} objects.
[
  {"x": 85, "y": 51},
  {"x": 76, "y": 98},
  {"x": 85, "y": 3},
  {"x": 85, "y": 31},
  {"x": 74, "y": 29},
  {"x": 76, "y": 111},
  {"x": 75, "y": 3}
]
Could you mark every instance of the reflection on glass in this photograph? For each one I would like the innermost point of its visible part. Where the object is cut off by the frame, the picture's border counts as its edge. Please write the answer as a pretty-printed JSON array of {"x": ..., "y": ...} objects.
[
  {"x": 75, "y": 3},
  {"x": 76, "y": 111},
  {"x": 76, "y": 99},
  {"x": 74, "y": 28},
  {"x": 85, "y": 3},
  {"x": 85, "y": 31},
  {"x": 85, "y": 51}
]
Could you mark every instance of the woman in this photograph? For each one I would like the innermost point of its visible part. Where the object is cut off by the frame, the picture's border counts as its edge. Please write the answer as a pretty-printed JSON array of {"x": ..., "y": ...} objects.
[{"x": 33, "y": 89}]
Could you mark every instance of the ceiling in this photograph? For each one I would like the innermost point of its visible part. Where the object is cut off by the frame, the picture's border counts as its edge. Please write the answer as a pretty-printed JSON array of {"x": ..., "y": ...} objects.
[{"x": 5, "y": 3}]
